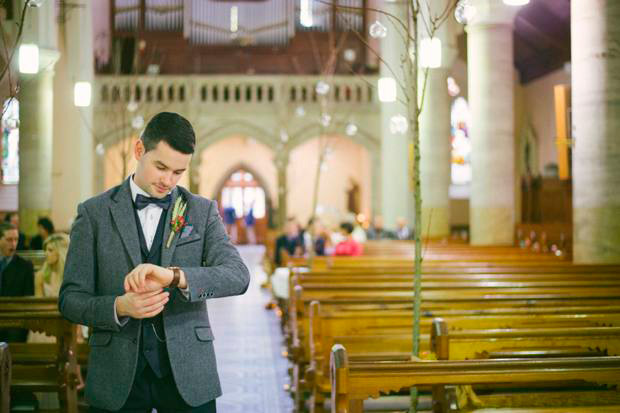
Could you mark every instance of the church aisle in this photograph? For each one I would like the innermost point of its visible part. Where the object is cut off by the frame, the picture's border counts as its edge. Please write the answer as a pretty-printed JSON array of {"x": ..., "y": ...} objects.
[{"x": 248, "y": 345}]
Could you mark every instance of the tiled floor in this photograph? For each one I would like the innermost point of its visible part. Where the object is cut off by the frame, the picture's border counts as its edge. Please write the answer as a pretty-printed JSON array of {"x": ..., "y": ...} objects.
[{"x": 248, "y": 345}]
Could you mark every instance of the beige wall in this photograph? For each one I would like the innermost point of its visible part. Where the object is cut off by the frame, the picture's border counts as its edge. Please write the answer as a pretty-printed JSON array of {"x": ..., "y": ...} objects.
[
  {"x": 347, "y": 160},
  {"x": 218, "y": 161},
  {"x": 539, "y": 104}
]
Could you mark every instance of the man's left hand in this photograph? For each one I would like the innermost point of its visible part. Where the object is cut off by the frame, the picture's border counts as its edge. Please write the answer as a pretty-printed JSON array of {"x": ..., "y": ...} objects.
[{"x": 148, "y": 277}]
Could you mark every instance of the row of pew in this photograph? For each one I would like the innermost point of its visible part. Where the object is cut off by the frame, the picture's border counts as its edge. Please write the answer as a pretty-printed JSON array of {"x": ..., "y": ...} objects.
[{"x": 524, "y": 329}]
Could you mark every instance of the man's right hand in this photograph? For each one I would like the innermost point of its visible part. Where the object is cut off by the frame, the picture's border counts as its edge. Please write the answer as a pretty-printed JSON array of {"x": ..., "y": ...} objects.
[{"x": 142, "y": 305}]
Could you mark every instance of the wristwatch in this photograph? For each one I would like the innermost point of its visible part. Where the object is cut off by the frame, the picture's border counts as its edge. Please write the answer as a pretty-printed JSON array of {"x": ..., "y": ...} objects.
[{"x": 176, "y": 277}]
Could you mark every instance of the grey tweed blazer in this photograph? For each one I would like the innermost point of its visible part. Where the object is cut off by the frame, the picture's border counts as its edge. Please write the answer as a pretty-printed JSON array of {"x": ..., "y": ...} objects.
[{"x": 104, "y": 248}]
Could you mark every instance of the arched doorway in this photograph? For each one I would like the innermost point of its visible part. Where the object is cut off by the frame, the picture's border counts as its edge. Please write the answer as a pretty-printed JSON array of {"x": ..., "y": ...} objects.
[{"x": 243, "y": 197}]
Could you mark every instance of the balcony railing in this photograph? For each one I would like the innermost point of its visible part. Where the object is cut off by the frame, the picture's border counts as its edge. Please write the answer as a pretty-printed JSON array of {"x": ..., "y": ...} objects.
[{"x": 232, "y": 90}]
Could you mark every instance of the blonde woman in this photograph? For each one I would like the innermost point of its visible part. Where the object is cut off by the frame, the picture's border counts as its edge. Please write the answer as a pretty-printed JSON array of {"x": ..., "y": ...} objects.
[
  {"x": 47, "y": 284},
  {"x": 48, "y": 279}
]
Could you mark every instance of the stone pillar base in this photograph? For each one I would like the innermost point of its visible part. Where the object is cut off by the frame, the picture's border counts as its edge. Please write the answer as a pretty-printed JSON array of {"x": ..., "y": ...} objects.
[
  {"x": 439, "y": 226},
  {"x": 596, "y": 235},
  {"x": 491, "y": 226}
]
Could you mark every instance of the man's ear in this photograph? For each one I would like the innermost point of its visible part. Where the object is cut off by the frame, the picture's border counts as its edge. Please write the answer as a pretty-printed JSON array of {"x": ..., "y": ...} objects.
[{"x": 139, "y": 149}]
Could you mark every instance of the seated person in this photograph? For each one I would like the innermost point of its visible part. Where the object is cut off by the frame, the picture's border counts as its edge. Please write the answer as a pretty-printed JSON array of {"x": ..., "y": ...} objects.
[
  {"x": 348, "y": 247},
  {"x": 322, "y": 240},
  {"x": 45, "y": 228},
  {"x": 292, "y": 241},
  {"x": 403, "y": 232},
  {"x": 49, "y": 277},
  {"x": 377, "y": 232},
  {"x": 16, "y": 277},
  {"x": 13, "y": 218}
]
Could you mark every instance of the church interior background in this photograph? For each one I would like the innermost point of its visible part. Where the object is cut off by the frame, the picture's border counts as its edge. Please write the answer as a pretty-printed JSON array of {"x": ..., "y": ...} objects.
[{"x": 298, "y": 114}]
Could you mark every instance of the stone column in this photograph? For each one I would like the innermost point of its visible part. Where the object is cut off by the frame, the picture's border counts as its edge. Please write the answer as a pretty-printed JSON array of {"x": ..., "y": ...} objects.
[
  {"x": 396, "y": 186},
  {"x": 491, "y": 89},
  {"x": 596, "y": 121},
  {"x": 281, "y": 162},
  {"x": 435, "y": 148},
  {"x": 35, "y": 148},
  {"x": 74, "y": 152},
  {"x": 36, "y": 110}
]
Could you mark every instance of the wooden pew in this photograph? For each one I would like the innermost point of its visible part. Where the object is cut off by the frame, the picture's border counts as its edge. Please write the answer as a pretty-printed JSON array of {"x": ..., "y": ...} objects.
[
  {"x": 36, "y": 257},
  {"x": 5, "y": 377},
  {"x": 43, "y": 366},
  {"x": 387, "y": 335},
  {"x": 353, "y": 382}
]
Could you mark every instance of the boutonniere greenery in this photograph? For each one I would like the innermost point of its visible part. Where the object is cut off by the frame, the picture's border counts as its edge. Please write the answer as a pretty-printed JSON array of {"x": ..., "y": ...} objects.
[{"x": 178, "y": 220}]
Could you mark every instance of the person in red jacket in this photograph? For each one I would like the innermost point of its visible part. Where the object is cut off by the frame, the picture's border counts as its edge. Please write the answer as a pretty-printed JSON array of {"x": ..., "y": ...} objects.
[{"x": 349, "y": 246}]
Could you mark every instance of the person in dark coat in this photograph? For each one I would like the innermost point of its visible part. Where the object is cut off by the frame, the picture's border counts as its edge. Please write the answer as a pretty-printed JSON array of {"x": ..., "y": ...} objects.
[{"x": 16, "y": 277}]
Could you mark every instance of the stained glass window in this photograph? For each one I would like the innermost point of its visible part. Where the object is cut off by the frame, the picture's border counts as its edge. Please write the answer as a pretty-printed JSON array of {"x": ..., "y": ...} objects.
[
  {"x": 461, "y": 142},
  {"x": 10, "y": 142}
]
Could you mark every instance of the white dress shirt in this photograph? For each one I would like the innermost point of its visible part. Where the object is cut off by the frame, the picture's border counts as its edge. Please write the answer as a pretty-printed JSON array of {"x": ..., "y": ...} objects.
[{"x": 149, "y": 216}]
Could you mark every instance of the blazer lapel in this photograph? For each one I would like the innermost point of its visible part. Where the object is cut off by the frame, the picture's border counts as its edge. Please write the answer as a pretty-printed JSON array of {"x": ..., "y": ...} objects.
[
  {"x": 123, "y": 215},
  {"x": 166, "y": 254}
]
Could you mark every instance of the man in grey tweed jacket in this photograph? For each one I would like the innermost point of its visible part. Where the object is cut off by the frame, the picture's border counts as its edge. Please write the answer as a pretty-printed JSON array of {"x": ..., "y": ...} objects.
[{"x": 143, "y": 285}]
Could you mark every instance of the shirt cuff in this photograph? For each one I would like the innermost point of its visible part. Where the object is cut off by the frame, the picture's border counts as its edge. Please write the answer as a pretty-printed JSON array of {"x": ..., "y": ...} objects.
[
  {"x": 124, "y": 320},
  {"x": 185, "y": 292}
]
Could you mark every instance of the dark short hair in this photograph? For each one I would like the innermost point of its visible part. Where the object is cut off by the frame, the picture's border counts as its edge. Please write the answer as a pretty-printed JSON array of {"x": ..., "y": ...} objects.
[
  {"x": 47, "y": 224},
  {"x": 4, "y": 227},
  {"x": 171, "y": 128},
  {"x": 347, "y": 227},
  {"x": 8, "y": 216}
]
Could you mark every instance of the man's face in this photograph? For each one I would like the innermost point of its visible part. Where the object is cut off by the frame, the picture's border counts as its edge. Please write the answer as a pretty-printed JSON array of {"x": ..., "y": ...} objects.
[
  {"x": 160, "y": 169},
  {"x": 8, "y": 242}
]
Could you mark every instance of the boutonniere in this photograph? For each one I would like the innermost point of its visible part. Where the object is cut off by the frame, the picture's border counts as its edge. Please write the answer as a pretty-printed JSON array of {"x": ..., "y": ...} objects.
[{"x": 178, "y": 218}]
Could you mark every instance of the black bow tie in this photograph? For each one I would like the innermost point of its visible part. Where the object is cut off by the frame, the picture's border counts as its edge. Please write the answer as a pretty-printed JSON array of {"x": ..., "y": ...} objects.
[{"x": 144, "y": 201}]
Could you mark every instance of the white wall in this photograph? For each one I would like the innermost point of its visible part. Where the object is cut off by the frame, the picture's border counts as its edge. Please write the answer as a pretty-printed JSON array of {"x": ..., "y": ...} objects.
[{"x": 348, "y": 160}]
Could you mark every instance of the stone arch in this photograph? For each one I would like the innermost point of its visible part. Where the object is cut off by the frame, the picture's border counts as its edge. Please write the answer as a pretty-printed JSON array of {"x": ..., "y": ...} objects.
[
  {"x": 243, "y": 165},
  {"x": 311, "y": 131}
]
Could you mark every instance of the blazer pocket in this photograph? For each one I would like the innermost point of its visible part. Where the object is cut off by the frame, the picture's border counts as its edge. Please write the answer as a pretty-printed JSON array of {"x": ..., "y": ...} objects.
[
  {"x": 99, "y": 339},
  {"x": 204, "y": 334},
  {"x": 188, "y": 240}
]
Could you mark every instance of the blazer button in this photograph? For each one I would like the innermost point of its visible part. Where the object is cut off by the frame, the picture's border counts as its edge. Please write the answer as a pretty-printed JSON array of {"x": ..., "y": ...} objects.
[{"x": 133, "y": 340}]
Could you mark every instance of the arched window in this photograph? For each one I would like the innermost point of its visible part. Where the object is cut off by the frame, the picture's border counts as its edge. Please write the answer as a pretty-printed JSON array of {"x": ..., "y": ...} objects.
[
  {"x": 242, "y": 192},
  {"x": 10, "y": 142},
  {"x": 461, "y": 142}
]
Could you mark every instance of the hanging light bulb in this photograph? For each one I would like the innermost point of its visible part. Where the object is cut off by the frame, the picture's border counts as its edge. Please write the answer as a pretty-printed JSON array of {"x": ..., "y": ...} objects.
[
  {"x": 351, "y": 129},
  {"x": 99, "y": 149},
  {"x": 326, "y": 119},
  {"x": 300, "y": 111},
  {"x": 35, "y": 3},
  {"x": 398, "y": 125},
  {"x": 349, "y": 55},
  {"x": 283, "y": 136},
  {"x": 137, "y": 122},
  {"x": 322, "y": 88},
  {"x": 132, "y": 106},
  {"x": 377, "y": 30},
  {"x": 464, "y": 11}
]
